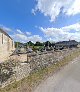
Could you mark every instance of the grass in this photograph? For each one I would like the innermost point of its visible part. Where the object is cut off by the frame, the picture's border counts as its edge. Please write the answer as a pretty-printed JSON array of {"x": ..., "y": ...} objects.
[
  {"x": 36, "y": 77},
  {"x": 37, "y": 47}
]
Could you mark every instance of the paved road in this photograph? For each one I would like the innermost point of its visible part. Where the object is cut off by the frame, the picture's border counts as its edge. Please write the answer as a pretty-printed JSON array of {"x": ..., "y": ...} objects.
[{"x": 65, "y": 80}]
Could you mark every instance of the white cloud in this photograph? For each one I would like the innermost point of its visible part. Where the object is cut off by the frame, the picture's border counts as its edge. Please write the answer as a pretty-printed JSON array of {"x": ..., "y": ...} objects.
[
  {"x": 19, "y": 37},
  {"x": 52, "y": 8},
  {"x": 28, "y": 33},
  {"x": 22, "y": 37},
  {"x": 35, "y": 38},
  {"x": 65, "y": 33},
  {"x": 33, "y": 11},
  {"x": 19, "y": 31},
  {"x": 74, "y": 9},
  {"x": 5, "y": 28}
]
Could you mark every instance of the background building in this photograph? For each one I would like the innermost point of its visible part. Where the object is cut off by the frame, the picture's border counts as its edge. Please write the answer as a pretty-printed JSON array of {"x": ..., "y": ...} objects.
[
  {"x": 66, "y": 44},
  {"x": 6, "y": 45}
]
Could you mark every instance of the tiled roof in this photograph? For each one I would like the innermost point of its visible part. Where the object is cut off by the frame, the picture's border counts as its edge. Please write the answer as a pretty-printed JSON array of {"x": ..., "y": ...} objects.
[{"x": 71, "y": 42}]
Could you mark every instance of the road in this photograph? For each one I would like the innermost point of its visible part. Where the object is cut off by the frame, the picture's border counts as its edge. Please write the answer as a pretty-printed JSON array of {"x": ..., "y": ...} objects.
[{"x": 65, "y": 80}]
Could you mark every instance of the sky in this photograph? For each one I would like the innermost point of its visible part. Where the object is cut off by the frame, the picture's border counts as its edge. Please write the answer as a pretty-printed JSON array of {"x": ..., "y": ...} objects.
[{"x": 41, "y": 20}]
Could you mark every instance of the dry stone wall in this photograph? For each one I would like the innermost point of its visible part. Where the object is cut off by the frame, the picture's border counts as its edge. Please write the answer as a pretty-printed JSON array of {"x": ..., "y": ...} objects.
[
  {"x": 44, "y": 60},
  {"x": 17, "y": 70}
]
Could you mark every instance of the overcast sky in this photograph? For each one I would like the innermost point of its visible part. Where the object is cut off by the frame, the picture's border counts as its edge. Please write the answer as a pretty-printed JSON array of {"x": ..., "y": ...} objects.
[{"x": 41, "y": 20}]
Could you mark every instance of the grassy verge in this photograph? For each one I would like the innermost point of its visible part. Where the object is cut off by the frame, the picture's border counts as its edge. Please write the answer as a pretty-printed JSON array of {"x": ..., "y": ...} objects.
[{"x": 27, "y": 84}]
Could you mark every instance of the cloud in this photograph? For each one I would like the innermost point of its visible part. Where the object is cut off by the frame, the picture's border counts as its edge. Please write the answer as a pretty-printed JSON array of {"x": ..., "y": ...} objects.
[
  {"x": 20, "y": 36},
  {"x": 52, "y": 8},
  {"x": 28, "y": 33},
  {"x": 19, "y": 31},
  {"x": 33, "y": 11},
  {"x": 65, "y": 33},
  {"x": 24, "y": 38},
  {"x": 52, "y": 34},
  {"x": 74, "y": 9},
  {"x": 5, "y": 28},
  {"x": 35, "y": 38}
]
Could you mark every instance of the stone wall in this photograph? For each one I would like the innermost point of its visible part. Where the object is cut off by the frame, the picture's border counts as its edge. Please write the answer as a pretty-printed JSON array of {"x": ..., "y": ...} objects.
[
  {"x": 49, "y": 58},
  {"x": 17, "y": 70},
  {"x": 6, "y": 45}
]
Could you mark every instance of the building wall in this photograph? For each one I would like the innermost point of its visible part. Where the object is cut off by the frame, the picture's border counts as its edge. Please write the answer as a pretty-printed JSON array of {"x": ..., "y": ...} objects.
[{"x": 6, "y": 46}]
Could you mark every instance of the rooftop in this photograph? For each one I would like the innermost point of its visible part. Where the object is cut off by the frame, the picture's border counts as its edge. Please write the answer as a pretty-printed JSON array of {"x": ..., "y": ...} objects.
[{"x": 1, "y": 30}]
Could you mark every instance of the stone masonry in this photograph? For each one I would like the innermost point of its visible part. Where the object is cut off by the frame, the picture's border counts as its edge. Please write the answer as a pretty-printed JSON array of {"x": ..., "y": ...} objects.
[{"x": 6, "y": 45}]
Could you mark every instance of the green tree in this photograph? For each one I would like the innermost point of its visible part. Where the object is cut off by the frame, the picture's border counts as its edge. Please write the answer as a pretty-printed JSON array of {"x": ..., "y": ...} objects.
[
  {"x": 47, "y": 43},
  {"x": 38, "y": 43},
  {"x": 30, "y": 43},
  {"x": 17, "y": 44}
]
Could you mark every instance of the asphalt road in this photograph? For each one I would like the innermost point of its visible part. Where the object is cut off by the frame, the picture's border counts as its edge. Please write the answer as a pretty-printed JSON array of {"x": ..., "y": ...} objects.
[{"x": 65, "y": 80}]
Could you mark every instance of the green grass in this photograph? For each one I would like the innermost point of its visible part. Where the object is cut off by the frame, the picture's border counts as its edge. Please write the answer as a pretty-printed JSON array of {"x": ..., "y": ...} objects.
[
  {"x": 36, "y": 77},
  {"x": 37, "y": 47}
]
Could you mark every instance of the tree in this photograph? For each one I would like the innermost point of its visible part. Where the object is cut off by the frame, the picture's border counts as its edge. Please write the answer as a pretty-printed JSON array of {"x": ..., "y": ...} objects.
[
  {"x": 47, "y": 43},
  {"x": 30, "y": 43},
  {"x": 17, "y": 44},
  {"x": 38, "y": 43}
]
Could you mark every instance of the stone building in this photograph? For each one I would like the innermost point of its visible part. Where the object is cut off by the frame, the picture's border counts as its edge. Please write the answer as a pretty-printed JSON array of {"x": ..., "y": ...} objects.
[
  {"x": 61, "y": 45},
  {"x": 6, "y": 45},
  {"x": 66, "y": 44}
]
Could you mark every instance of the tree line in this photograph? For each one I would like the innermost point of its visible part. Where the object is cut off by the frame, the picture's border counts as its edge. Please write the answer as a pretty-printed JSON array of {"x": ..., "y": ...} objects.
[{"x": 30, "y": 43}]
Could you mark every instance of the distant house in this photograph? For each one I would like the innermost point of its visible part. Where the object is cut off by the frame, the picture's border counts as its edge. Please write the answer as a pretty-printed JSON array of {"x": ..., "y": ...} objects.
[
  {"x": 61, "y": 45},
  {"x": 6, "y": 45},
  {"x": 66, "y": 44}
]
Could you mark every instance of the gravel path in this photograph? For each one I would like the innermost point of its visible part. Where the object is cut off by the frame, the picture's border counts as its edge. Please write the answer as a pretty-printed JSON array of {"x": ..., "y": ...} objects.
[{"x": 65, "y": 80}]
